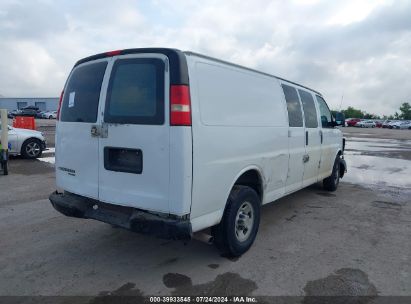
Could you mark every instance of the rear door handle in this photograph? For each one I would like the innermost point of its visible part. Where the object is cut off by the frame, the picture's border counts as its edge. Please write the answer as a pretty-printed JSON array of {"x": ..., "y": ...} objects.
[
  {"x": 95, "y": 131},
  {"x": 306, "y": 138},
  {"x": 99, "y": 131},
  {"x": 321, "y": 136}
]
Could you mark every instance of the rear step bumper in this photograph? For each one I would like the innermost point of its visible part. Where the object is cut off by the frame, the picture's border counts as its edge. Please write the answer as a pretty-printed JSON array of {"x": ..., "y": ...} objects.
[{"x": 126, "y": 217}]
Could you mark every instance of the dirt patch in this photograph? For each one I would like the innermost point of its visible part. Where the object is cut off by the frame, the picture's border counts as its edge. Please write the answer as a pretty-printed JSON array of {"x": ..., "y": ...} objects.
[
  {"x": 127, "y": 293},
  {"x": 289, "y": 219},
  {"x": 228, "y": 284},
  {"x": 400, "y": 154},
  {"x": 386, "y": 205},
  {"x": 346, "y": 285},
  {"x": 364, "y": 167},
  {"x": 394, "y": 170},
  {"x": 232, "y": 259},
  {"x": 168, "y": 261},
  {"x": 326, "y": 194}
]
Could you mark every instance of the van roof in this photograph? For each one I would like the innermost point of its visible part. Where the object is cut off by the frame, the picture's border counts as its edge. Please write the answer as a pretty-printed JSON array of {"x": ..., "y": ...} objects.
[
  {"x": 249, "y": 69},
  {"x": 178, "y": 63}
]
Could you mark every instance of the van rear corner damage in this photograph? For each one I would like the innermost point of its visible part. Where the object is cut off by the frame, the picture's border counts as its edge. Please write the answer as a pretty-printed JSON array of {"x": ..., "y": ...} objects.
[{"x": 162, "y": 226}]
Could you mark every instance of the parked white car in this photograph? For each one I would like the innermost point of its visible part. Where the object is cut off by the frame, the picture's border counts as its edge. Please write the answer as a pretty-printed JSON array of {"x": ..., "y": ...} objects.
[
  {"x": 27, "y": 143},
  {"x": 366, "y": 124},
  {"x": 175, "y": 142},
  {"x": 49, "y": 114},
  {"x": 402, "y": 125},
  {"x": 394, "y": 124}
]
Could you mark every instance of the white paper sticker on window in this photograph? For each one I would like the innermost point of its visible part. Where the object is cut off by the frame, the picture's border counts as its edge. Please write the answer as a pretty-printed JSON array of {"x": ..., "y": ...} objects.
[{"x": 71, "y": 99}]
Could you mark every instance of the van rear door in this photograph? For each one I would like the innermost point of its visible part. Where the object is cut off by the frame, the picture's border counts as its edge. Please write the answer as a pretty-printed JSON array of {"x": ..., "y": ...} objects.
[
  {"x": 134, "y": 133},
  {"x": 77, "y": 158}
]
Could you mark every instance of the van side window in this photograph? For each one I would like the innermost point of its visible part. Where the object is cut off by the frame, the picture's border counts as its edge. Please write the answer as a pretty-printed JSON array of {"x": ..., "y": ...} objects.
[
  {"x": 295, "y": 117},
  {"x": 325, "y": 114},
  {"x": 136, "y": 92},
  {"x": 82, "y": 93},
  {"x": 310, "y": 113}
]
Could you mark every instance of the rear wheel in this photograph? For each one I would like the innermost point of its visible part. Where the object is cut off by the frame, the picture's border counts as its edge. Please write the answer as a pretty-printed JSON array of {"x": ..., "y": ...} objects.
[
  {"x": 239, "y": 226},
  {"x": 331, "y": 183},
  {"x": 31, "y": 148}
]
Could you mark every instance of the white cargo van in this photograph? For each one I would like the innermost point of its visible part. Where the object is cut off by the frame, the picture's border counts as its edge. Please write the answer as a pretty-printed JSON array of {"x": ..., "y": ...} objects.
[{"x": 168, "y": 143}]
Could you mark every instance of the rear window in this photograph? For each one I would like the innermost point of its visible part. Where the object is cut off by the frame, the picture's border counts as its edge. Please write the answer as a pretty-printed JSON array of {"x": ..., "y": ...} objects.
[
  {"x": 136, "y": 92},
  {"x": 82, "y": 93}
]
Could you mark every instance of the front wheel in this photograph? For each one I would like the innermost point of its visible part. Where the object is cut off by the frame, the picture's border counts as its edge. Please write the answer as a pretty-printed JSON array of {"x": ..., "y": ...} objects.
[
  {"x": 331, "y": 183},
  {"x": 239, "y": 226},
  {"x": 31, "y": 148}
]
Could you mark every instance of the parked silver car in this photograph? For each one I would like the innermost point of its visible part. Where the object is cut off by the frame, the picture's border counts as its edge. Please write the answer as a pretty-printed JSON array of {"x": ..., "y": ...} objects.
[
  {"x": 366, "y": 124},
  {"x": 49, "y": 114},
  {"x": 28, "y": 143}
]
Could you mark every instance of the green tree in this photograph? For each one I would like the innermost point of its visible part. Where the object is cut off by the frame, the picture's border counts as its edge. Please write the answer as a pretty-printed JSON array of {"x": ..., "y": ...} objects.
[
  {"x": 370, "y": 116},
  {"x": 405, "y": 110},
  {"x": 351, "y": 112}
]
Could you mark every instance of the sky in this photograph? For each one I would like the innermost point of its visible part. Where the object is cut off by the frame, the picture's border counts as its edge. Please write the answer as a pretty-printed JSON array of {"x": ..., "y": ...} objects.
[{"x": 355, "y": 52}]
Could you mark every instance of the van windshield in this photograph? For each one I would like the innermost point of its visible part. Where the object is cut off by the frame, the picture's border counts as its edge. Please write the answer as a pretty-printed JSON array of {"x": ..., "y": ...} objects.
[{"x": 82, "y": 93}]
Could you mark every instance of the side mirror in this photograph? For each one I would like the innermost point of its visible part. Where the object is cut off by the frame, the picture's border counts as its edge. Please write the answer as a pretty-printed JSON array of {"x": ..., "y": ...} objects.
[{"x": 339, "y": 119}]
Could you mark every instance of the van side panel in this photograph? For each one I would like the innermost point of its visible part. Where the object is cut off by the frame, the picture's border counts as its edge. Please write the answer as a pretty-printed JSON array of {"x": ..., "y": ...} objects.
[
  {"x": 181, "y": 155},
  {"x": 239, "y": 122}
]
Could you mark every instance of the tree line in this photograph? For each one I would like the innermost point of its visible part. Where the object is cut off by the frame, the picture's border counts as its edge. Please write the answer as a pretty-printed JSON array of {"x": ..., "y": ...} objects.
[{"x": 403, "y": 113}]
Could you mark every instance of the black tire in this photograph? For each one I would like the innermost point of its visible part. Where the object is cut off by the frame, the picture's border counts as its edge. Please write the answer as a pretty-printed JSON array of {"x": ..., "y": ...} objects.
[
  {"x": 331, "y": 183},
  {"x": 227, "y": 235},
  {"x": 31, "y": 148}
]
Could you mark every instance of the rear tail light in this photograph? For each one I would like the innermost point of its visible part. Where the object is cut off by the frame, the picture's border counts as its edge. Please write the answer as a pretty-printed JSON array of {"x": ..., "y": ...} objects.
[
  {"x": 180, "y": 105},
  {"x": 59, "y": 108}
]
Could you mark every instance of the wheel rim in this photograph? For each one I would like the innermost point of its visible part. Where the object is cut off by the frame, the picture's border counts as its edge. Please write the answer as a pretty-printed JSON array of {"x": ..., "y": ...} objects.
[
  {"x": 33, "y": 149},
  {"x": 244, "y": 221}
]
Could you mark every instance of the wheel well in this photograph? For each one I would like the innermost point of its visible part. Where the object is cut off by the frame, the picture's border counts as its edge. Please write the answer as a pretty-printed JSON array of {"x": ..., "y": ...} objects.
[{"x": 253, "y": 180}]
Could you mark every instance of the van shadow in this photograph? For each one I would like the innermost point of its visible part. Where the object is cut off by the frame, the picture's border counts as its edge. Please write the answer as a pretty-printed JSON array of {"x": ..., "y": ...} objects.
[
  {"x": 290, "y": 208},
  {"x": 105, "y": 243},
  {"x": 95, "y": 250}
]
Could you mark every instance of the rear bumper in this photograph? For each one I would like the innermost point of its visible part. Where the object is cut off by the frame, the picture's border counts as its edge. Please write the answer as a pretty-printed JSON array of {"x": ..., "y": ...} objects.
[{"x": 126, "y": 217}]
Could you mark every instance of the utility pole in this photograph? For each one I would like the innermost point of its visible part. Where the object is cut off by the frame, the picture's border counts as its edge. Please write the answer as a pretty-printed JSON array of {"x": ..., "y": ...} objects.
[{"x": 4, "y": 142}]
